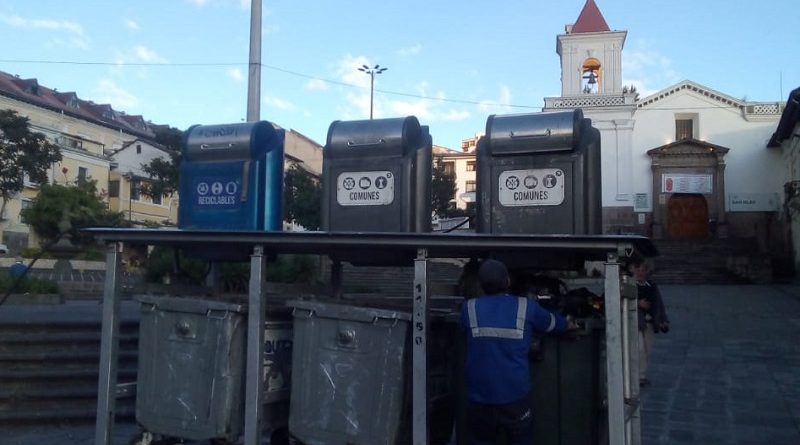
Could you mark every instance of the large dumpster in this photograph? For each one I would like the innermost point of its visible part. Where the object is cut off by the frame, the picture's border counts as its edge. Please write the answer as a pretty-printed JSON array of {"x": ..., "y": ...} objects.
[
  {"x": 350, "y": 379},
  {"x": 567, "y": 391},
  {"x": 191, "y": 368},
  {"x": 191, "y": 364}
]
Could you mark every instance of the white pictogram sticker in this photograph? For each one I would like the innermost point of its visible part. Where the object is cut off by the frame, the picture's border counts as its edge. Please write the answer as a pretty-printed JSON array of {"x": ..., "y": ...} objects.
[
  {"x": 371, "y": 188},
  {"x": 541, "y": 187}
]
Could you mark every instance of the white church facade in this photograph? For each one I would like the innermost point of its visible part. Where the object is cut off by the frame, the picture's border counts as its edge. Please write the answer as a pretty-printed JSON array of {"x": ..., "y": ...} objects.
[{"x": 686, "y": 162}]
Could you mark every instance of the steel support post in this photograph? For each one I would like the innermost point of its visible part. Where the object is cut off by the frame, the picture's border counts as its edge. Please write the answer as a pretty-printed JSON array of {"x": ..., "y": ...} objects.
[
  {"x": 630, "y": 316},
  {"x": 109, "y": 349},
  {"x": 420, "y": 350},
  {"x": 614, "y": 347},
  {"x": 254, "y": 377}
]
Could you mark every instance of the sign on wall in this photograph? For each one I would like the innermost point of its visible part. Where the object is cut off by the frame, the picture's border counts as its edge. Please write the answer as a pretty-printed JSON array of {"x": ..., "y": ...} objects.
[
  {"x": 641, "y": 202},
  {"x": 753, "y": 202},
  {"x": 678, "y": 183}
]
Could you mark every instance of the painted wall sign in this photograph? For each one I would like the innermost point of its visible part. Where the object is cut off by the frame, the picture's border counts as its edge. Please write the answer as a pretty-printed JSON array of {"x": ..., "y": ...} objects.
[
  {"x": 753, "y": 202},
  {"x": 677, "y": 183}
]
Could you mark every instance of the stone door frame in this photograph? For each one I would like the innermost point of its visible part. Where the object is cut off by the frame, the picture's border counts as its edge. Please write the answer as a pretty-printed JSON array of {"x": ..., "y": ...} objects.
[{"x": 689, "y": 156}]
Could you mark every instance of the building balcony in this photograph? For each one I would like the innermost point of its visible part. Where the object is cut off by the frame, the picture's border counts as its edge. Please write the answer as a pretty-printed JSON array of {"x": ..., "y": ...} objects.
[{"x": 589, "y": 101}]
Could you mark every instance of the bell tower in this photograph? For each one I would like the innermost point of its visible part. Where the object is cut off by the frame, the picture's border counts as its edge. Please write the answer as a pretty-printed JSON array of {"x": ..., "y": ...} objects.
[{"x": 591, "y": 55}]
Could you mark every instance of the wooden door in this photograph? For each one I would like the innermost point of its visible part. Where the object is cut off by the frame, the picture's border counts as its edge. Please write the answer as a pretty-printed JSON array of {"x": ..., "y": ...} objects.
[{"x": 687, "y": 216}]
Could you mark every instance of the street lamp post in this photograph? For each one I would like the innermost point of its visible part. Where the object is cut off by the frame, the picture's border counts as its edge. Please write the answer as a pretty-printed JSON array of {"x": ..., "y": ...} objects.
[{"x": 372, "y": 72}]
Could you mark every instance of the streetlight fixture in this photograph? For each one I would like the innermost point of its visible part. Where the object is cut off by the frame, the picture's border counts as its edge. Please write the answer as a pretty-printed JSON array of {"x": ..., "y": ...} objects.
[{"x": 372, "y": 72}]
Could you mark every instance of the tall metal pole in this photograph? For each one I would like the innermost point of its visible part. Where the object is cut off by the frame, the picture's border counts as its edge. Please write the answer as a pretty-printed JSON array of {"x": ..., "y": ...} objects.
[
  {"x": 372, "y": 72},
  {"x": 254, "y": 77},
  {"x": 371, "y": 89}
]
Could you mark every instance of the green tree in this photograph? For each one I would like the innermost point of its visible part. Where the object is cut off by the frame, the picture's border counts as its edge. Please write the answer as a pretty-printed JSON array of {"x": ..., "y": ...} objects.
[
  {"x": 164, "y": 172},
  {"x": 443, "y": 189},
  {"x": 59, "y": 209},
  {"x": 302, "y": 196},
  {"x": 22, "y": 152}
]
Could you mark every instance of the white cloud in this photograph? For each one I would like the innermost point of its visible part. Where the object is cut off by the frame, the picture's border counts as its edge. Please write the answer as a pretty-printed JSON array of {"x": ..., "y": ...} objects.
[
  {"x": 410, "y": 50},
  {"x": 499, "y": 105},
  {"x": 147, "y": 55},
  {"x": 357, "y": 99},
  {"x": 139, "y": 54},
  {"x": 48, "y": 24},
  {"x": 235, "y": 74},
  {"x": 278, "y": 103},
  {"x": 456, "y": 115},
  {"x": 243, "y": 4},
  {"x": 646, "y": 69},
  {"x": 108, "y": 92},
  {"x": 316, "y": 85},
  {"x": 131, "y": 24},
  {"x": 74, "y": 35}
]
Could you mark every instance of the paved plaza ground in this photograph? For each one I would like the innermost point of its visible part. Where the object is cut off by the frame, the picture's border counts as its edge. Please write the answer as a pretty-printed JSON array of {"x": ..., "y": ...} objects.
[{"x": 727, "y": 373}]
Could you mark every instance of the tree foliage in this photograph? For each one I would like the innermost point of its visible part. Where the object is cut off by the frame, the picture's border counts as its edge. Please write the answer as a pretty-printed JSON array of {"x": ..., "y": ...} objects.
[
  {"x": 302, "y": 197},
  {"x": 61, "y": 209},
  {"x": 22, "y": 152},
  {"x": 443, "y": 189},
  {"x": 162, "y": 172}
]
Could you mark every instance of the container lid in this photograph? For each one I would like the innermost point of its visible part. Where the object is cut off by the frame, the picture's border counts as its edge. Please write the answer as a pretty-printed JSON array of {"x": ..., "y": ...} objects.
[
  {"x": 346, "y": 312},
  {"x": 190, "y": 305}
]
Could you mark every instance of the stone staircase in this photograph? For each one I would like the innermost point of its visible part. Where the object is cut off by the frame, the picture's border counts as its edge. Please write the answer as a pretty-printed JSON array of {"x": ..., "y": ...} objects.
[
  {"x": 49, "y": 360},
  {"x": 701, "y": 261}
]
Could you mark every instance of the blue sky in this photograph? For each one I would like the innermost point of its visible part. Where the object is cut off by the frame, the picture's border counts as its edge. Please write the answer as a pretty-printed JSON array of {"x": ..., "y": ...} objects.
[{"x": 452, "y": 64}]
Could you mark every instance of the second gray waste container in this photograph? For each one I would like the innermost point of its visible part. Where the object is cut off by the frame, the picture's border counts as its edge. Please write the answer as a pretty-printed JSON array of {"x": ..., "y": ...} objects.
[{"x": 348, "y": 373}]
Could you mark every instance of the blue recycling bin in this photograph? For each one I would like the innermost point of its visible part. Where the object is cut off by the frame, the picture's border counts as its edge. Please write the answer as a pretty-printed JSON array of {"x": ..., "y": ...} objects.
[{"x": 231, "y": 177}]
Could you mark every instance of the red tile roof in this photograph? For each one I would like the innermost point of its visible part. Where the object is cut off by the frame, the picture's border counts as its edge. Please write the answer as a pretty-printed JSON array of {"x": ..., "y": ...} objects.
[
  {"x": 590, "y": 20},
  {"x": 29, "y": 90}
]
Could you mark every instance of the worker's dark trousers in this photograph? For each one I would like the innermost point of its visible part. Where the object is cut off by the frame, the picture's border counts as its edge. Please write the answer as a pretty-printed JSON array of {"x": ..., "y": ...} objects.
[{"x": 486, "y": 424}]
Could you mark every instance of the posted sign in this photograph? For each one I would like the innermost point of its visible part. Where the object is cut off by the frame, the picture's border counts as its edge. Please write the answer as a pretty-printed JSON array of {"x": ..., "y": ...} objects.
[
  {"x": 217, "y": 192},
  {"x": 365, "y": 188},
  {"x": 536, "y": 187}
]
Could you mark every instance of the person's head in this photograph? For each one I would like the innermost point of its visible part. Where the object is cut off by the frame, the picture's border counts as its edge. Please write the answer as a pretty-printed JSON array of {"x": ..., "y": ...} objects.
[
  {"x": 639, "y": 270},
  {"x": 493, "y": 277}
]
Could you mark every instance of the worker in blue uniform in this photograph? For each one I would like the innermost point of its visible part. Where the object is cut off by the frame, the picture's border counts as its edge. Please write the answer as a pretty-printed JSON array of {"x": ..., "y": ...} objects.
[{"x": 498, "y": 329}]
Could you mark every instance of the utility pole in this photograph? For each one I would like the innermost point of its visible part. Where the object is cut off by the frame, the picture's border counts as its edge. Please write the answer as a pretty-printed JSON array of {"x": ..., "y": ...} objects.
[{"x": 254, "y": 75}]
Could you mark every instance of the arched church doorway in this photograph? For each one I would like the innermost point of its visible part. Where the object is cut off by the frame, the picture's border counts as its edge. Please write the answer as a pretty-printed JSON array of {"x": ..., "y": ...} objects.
[{"x": 687, "y": 216}]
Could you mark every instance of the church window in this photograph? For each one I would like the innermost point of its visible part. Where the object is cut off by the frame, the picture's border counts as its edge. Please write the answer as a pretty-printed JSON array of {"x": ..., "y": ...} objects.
[{"x": 685, "y": 126}]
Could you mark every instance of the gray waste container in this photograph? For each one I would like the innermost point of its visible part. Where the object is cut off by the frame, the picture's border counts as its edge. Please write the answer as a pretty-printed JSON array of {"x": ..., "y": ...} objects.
[
  {"x": 191, "y": 365},
  {"x": 539, "y": 173},
  {"x": 377, "y": 176},
  {"x": 348, "y": 374}
]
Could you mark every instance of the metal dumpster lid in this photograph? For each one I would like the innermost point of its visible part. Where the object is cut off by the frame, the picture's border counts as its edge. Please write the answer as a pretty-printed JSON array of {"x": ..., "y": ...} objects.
[
  {"x": 347, "y": 312},
  {"x": 191, "y": 305}
]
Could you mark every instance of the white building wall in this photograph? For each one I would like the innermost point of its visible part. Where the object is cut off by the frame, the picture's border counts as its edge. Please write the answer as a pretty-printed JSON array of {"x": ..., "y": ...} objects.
[
  {"x": 616, "y": 139},
  {"x": 750, "y": 166}
]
